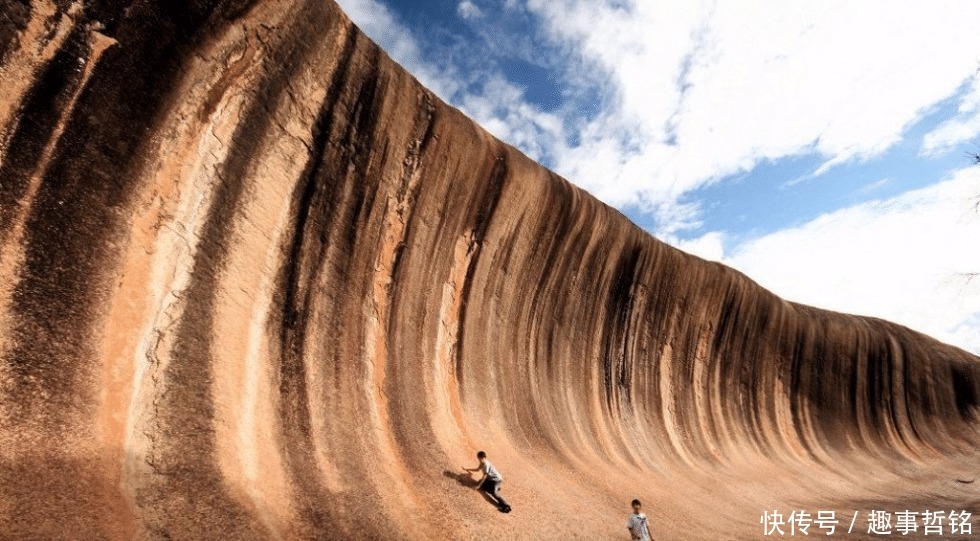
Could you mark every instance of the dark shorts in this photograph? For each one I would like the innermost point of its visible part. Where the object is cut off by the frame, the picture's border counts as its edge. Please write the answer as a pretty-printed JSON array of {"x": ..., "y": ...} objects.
[{"x": 490, "y": 486}]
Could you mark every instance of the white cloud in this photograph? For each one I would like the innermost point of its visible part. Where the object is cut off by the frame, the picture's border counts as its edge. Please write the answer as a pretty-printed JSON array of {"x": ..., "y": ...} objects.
[
  {"x": 710, "y": 89},
  {"x": 709, "y": 246},
  {"x": 697, "y": 91},
  {"x": 869, "y": 188},
  {"x": 962, "y": 128},
  {"x": 468, "y": 10},
  {"x": 903, "y": 259}
]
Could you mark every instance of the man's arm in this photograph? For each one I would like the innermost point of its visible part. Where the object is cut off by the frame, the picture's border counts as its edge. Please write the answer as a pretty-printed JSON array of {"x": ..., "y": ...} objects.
[{"x": 476, "y": 469}]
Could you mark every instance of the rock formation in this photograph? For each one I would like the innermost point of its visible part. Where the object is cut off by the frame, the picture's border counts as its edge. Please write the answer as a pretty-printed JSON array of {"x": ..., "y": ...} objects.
[{"x": 257, "y": 283}]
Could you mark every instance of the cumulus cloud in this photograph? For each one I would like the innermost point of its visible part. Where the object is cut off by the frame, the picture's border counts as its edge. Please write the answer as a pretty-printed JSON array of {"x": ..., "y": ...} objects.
[
  {"x": 964, "y": 127},
  {"x": 908, "y": 259},
  {"x": 710, "y": 246},
  {"x": 706, "y": 89},
  {"x": 498, "y": 107},
  {"x": 693, "y": 92},
  {"x": 468, "y": 10}
]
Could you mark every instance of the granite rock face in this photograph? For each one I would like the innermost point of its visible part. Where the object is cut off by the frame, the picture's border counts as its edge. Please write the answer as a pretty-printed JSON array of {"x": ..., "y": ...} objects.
[{"x": 257, "y": 283}]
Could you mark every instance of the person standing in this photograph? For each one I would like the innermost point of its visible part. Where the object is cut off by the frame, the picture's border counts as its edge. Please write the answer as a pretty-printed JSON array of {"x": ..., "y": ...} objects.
[
  {"x": 637, "y": 523},
  {"x": 490, "y": 482}
]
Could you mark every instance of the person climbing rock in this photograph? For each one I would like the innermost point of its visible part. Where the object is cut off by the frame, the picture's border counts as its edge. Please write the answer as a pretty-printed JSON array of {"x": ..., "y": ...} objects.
[
  {"x": 490, "y": 482},
  {"x": 637, "y": 523}
]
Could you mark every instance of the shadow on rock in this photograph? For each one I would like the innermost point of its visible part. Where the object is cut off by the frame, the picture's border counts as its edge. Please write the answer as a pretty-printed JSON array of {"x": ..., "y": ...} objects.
[{"x": 464, "y": 479}]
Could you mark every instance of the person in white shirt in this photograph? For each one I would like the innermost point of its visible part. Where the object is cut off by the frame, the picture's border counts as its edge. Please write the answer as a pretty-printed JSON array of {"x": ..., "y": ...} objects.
[
  {"x": 637, "y": 524},
  {"x": 490, "y": 482}
]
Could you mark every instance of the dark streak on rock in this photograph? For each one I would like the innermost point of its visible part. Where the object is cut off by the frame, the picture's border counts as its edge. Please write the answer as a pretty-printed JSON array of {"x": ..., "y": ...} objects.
[
  {"x": 190, "y": 486},
  {"x": 14, "y": 15},
  {"x": 414, "y": 158},
  {"x": 78, "y": 218},
  {"x": 966, "y": 389},
  {"x": 486, "y": 205},
  {"x": 33, "y": 364},
  {"x": 318, "y": 210},
  {"x": 616, "y": 360}
]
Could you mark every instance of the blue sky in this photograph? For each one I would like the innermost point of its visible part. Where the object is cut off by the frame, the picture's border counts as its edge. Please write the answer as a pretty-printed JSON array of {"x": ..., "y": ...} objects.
[{"x": 820, "y": 147}]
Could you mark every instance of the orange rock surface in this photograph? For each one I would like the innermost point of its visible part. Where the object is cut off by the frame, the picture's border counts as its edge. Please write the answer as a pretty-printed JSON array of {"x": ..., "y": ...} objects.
[{"x": 257, "y": 283}]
